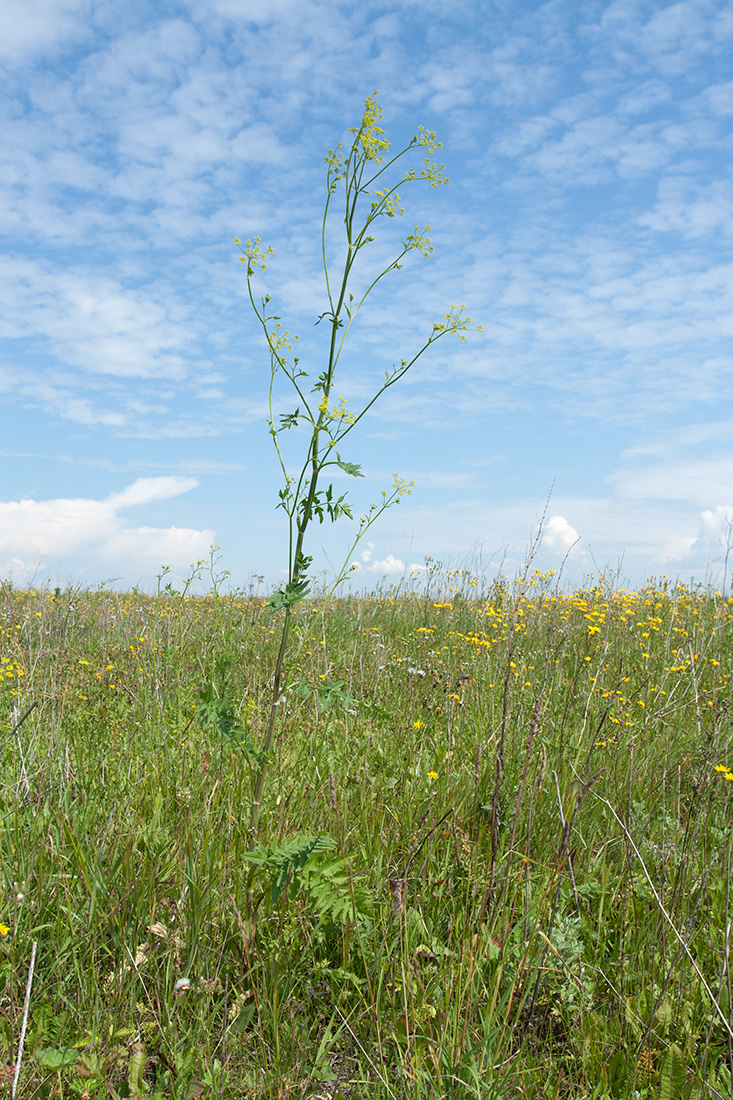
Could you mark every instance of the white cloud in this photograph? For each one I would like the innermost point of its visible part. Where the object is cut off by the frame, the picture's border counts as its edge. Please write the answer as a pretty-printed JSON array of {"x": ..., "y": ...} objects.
[
  {"x": 387, "y": 566},
  {"x": 35, "y": 26},
  {"x": 697, "y": 480},
  {"x": 253, "y": 11},
  {"x": 384, "y": 567},
  {"x": 670, "y": 40},
  {"x": 709, "y": 550},
  {"x": 652, "y": 93},
  {"x": 147, "y": 489},
  {"x": 93, "y": 322},
  {"x": 720, "y": 97},
  {"x": 669, "y": 442},
  {"x": 714, "y": 539},
  {"x": 85, "y": 537},
  {"x": 558, "y": 534},
  {"x": 691, "y": 207}
]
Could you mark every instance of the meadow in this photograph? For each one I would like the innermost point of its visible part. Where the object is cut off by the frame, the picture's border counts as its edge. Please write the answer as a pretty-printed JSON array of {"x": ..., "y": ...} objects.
[{"x": 493, "y": 857}]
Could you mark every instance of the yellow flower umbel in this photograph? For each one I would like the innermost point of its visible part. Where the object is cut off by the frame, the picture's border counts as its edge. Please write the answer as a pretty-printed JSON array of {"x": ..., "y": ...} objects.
[
  {"x": 337, "y": 412},
  {"x": 369, "y": 134},
  {"x": 401, "y": 487},
  {"x": 456, "y": 322},
  {"x": 252, "y": 255}
]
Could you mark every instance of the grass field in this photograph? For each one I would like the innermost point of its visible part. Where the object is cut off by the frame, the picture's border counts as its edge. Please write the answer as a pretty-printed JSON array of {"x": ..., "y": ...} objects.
[{"x": 494, "y": 853}]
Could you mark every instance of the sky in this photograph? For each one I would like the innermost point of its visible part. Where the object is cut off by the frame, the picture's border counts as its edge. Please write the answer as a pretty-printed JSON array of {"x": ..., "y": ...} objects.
[{"x": 587, "y": 226}]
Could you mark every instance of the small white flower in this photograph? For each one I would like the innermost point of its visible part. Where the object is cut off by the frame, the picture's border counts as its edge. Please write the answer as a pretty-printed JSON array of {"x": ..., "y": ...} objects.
[{"x": 182, "y": 985}]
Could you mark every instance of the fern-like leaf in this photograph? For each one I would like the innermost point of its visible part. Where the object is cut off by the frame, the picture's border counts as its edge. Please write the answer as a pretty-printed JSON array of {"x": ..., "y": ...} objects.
[
  {"x": 287, "y": 860},
  {"x": 333, "y": 896}
]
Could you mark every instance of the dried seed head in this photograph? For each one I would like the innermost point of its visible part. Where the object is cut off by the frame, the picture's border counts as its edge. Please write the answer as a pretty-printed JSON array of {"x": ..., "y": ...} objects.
[{"x": 398, "y": 891}]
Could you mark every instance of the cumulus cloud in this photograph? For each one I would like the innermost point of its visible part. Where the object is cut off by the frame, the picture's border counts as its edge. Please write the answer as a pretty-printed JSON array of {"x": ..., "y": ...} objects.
[
  {"x": 558, "y": 534},
  {"x": 84, "y": 537},
  {"x": 383, "y": 567},
  {"x": 387, "y": 566},
  {"x": 715, "y": 536},
  {"x": 712, "y": 544}
]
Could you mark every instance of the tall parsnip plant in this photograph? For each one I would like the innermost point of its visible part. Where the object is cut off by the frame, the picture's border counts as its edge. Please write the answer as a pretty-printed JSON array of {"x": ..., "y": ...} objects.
[{"x": 366, "y": 177}]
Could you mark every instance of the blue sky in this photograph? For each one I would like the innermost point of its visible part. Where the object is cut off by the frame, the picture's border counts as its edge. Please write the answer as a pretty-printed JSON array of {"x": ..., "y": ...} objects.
[{"x": 587, "y": 226}]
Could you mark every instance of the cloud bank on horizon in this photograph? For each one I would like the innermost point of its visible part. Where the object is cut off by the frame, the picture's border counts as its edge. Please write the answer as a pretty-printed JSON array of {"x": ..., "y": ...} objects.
[
  {"x": 31, "y": 531},
  {"x": 588, "y": 226}
]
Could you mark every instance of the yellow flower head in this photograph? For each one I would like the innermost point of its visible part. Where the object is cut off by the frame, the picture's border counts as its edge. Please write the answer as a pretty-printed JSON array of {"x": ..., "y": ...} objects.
[{"x": 369, "y": 134}]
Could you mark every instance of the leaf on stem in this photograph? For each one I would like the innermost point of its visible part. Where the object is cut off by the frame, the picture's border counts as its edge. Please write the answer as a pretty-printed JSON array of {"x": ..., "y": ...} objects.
[
  {"x": 288, "y": 596},
  {"x": 351, "y": 468}
]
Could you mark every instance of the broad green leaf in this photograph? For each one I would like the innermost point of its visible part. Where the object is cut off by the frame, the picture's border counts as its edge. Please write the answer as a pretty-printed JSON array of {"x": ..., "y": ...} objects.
[
  {"x": 243, "y": 1020},
  {"x": 672, "y": 1074},
  {"x": 138, "y": 1062},
  {"x": 53, "y": 1059},
  {"x": 617, "y": 1071}
]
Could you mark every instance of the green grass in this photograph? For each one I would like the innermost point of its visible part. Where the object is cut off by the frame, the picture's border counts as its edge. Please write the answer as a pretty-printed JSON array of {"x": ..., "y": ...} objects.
[{"x": 489, "y": 818}]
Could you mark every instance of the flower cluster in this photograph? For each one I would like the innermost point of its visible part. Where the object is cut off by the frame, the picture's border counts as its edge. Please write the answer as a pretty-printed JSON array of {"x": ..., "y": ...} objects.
[
  {"x": 389, "y": 203},
  {"x": 401, "y": 487},
  {"x": 456, "y": 322},
  {"x": 337, "y": 412},
  {"x": 432, "y": 172},
  {"x": 279, "y": 338},
  {"x": 369, "y": 134},
  {"x": 10, "y": 669},
  {"x": 420, "y": 241},
  {"x": 335, "y": 162},
  {"x": 428, "y": 138},
  {"x": 253, "y": 255}
]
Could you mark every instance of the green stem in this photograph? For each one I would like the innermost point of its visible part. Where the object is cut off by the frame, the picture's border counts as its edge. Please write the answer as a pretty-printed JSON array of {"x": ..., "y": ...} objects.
[
  {"x": 301, "y": 494},
  {"x": 259, "y": 786}
]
